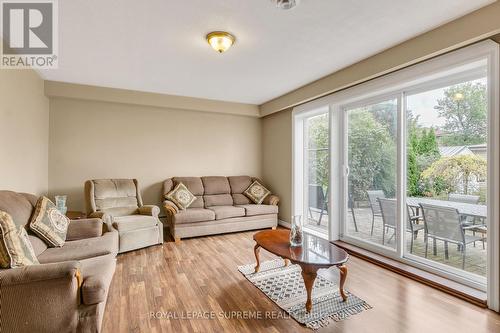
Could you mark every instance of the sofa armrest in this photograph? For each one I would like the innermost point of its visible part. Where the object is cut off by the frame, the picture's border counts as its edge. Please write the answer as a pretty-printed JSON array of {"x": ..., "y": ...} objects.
[
  {"x": 100, "y": 215},
  {"x": 107, "y": 220},
  {"x": 36, "y": 273},
  {"x": 170, "y": 207},
  {"x": 84, "y": 228},
  {"x": 271, "y": 199},
  {"x": 36, "y": 294},
  {"x": 151, "y": 210}
]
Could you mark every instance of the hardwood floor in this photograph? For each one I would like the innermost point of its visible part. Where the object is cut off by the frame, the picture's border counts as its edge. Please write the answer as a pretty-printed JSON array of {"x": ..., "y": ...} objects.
[{"x": 199, "y": 276}]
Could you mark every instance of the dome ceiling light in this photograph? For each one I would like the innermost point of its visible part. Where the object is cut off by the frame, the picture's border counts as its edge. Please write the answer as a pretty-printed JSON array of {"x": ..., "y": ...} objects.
[
  {"x": 286, "y": 4},
  {"x": 220, "y": 41}
]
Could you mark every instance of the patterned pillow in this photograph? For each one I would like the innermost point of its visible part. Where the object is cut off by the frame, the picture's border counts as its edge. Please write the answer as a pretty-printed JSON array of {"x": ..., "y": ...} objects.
[
  {"x": 256, "y": 192},
  {"x": 49, "y": 223},
  {"x": 181, "y": 196},
  {"x": 15, "y": 247}
]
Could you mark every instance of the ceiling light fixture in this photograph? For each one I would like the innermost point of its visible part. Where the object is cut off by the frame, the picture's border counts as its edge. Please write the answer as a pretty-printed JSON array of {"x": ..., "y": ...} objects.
[
  {"x": 286, "y": 4},
  {"x": 220, "y": 41}
]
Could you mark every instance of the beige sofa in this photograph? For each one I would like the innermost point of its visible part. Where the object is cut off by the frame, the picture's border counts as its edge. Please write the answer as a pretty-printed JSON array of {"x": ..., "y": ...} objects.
[
  {"x": 220, "y": 207},
  {"x": 120, "y": 201},
  {"x": 67, "y": 291}
]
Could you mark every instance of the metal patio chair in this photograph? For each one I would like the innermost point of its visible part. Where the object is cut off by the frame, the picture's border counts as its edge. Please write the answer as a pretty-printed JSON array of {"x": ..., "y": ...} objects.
[
  {"x": 445, "y": 224},
  {"x": 388, "y": 208},
  {"x": 468, "y": 221},
  {"x": 317, "y": 200},
  {"x": 374, "y": 205}
]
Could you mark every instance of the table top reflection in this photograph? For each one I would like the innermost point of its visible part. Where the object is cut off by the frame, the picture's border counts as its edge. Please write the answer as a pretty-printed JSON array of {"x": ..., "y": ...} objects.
[{"x": 314, "y": 250}]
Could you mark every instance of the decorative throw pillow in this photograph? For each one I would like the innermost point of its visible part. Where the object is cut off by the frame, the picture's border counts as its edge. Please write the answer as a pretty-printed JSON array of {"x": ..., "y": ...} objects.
[
  {"x": 15, "y": 246},
  {"x": 256, "y": 192},
  {"x": 49, "y": 223},
  {"x": 181, "y": 196}
]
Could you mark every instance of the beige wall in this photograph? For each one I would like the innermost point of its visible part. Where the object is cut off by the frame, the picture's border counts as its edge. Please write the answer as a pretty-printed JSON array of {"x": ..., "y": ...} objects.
[
  {"x": 95, "y": 139},
  {"x": 277, "y": 158},
  {"x": 24, "y": 132}
]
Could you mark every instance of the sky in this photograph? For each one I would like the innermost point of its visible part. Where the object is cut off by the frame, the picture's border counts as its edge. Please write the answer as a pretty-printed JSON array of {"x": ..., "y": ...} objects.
[{"x": 422, "y": 104}]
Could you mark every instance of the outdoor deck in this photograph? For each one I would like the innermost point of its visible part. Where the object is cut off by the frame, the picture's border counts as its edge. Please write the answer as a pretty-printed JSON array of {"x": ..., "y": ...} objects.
[{"x": 475, "y": 261}]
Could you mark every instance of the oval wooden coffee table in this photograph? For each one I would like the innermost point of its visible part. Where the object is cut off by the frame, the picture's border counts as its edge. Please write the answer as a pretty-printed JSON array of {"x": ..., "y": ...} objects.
[{"x": 315, "y": 253}]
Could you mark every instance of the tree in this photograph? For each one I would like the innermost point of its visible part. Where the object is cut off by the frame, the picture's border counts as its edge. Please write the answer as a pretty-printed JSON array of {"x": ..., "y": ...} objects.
[
  {"x": 318, "y": 143},
  {"x": 422, "y": 151},
  {"x": 456, "y": 173},
  {"x": 464, "y": 108},
  {"x": 372, "y": 152}
]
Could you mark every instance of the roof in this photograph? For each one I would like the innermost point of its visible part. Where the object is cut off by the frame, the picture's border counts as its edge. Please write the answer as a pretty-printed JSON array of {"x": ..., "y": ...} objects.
[{"x": 454, "y": 150}]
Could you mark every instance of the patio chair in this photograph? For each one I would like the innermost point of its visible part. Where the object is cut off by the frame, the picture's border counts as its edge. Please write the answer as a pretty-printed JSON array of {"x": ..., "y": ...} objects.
[
  {"x": 317, "y": 200},
  {"x": 350, "y": 205},
  {"x": 444, "y": 223},
  {"x": 468, "y": 221},
  {"x": 374, "y": 205},
  {"x": 388, "y": 210},
  {"x": 389, "y": 213}
]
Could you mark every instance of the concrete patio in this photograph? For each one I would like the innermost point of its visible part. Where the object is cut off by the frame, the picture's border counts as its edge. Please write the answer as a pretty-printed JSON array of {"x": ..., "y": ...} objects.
[{"x": 475, "y": 261}]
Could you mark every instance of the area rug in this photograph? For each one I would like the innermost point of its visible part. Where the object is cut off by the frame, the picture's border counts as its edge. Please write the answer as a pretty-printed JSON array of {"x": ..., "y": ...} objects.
[{"x": 284, "y": 286}]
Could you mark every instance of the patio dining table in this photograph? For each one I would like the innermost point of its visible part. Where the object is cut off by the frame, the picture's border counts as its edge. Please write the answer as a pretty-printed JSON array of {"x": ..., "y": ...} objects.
[{"x": 465, "y": 209}]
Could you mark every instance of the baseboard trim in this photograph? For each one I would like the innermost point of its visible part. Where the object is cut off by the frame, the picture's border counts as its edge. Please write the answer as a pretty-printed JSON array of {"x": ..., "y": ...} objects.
[{"x": 284, "y": 224}]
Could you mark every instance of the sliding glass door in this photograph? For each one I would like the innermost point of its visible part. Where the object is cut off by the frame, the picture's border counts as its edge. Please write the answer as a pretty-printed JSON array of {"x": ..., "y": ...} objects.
[{"x": 408, "y": 166}]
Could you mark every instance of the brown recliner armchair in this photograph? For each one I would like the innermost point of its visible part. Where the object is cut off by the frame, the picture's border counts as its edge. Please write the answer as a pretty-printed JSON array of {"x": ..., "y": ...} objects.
[
  {"x": 119, "y": 202},
  {"x": 67, "y": 291}
]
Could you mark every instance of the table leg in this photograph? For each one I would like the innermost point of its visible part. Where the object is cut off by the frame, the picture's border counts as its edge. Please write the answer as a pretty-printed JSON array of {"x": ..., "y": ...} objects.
[
  {"x": 309, "y": 274},
  {"x": 343, "y": 277},
  {"x": 287, "y": 262},
  {"x": 256, "y": 251}
]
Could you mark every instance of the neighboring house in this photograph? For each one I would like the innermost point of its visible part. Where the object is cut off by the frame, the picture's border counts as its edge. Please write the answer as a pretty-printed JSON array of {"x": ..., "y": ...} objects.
[
  {"x": 480, "y": 150},
  {"x": 454, "y": 151}
]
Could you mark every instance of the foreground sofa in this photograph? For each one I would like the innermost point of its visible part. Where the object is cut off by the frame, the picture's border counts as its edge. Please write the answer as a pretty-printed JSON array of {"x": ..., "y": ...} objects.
[
  {"x": 220, "y": 207},
  {"x": 67, "y": 291},
  {"x": 120, "y": 202}
]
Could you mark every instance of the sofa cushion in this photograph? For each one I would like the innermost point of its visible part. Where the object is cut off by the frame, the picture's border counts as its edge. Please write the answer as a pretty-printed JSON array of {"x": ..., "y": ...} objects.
[
  {"x": 15, "y": 247},
  {"x": 191, "y": 215},
  {"x": 257, "y": 192},
  {"x": 134, "y": 222},
  {"x": 240, "y": 199},
  {"x": 49, "y": 223},
  {"x": 18, "y": 205},
  {"x": 253, "y": 209},
  {"x": 195, "y": 186},
  {"x": 181, "y": 196},
  {"x": 110, "y": 193},
  {"x": 121, "y": 211},
  {"x": 97, "y": 274},
  {"x": 216, "y": 185},
  {"x": 239, "y": 183},
  {"x": 218, "y": 200},
  {"x": 38, "y": 245},
  {"x": 82, "y": 249},
  {"x": 225, "y": 212}
]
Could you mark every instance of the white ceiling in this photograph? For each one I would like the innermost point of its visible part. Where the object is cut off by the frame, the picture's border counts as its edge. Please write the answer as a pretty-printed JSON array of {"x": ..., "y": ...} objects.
[{"x": 159, "y": 46}]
